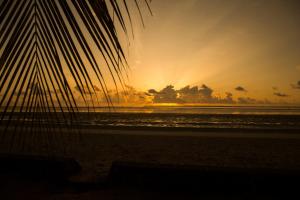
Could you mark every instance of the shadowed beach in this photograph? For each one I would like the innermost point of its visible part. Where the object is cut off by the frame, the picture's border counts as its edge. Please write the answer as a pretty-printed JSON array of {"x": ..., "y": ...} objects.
[{"x": 132, "y": 163}]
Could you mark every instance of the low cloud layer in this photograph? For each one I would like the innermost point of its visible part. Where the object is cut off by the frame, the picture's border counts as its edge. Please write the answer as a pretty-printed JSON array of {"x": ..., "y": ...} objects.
[{"x": 202, "y": 94}]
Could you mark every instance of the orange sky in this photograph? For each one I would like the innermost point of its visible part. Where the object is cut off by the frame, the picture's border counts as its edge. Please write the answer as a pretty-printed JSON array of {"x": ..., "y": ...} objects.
[
  {"x": 248, "y": 48},
  {"x": 223, "y": 44}
]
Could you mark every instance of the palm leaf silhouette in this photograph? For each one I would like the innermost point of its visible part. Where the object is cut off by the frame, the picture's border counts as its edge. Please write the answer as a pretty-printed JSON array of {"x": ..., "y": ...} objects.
[{"x": 43, "y": 40}]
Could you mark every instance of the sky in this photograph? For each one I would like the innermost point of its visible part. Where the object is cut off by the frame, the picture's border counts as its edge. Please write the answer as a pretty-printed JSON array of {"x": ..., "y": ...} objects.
[
  {"x": 201, "y": 51},
  {"x": 226, "y": 45}
]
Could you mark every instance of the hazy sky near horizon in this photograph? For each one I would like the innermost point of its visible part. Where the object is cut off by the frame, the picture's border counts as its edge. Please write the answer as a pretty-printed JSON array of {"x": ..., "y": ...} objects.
[{"x": 254, "y": 44}]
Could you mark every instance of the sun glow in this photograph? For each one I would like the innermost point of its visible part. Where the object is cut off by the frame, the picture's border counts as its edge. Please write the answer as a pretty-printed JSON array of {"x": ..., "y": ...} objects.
[{"x": 221, "y": 45}]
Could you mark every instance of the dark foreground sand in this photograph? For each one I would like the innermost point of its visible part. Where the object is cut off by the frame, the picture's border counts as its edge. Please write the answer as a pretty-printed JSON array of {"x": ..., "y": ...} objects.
[
  {"x": 98, "y": 149},
  {"x": 251, "y": 149}
]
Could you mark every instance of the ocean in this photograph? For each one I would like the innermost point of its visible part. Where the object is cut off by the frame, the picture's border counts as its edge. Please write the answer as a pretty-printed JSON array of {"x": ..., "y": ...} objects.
[
  {"x": 195, "y": 117},
  {"x": 202, "y": 117}
]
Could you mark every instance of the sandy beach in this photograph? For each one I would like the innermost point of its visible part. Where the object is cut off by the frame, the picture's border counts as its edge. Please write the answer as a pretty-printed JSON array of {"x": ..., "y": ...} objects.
[
  {"x": 97, "y": 150},
  {"x": 252, "y": 149}
]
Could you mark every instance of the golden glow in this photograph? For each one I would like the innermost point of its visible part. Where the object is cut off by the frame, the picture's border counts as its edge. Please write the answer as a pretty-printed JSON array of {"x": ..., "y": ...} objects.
[{"x": 253, "y": 44}]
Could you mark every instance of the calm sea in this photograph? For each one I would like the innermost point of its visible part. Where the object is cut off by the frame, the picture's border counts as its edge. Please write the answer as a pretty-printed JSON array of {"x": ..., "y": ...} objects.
[{"x": 253, "y": 117}]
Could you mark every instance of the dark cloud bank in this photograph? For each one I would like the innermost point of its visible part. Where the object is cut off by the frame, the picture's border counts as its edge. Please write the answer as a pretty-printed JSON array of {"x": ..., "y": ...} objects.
[{"x": 203, "y": 94}]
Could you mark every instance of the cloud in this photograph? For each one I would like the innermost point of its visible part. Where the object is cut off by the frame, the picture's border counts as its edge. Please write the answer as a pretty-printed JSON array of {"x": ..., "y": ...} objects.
[
  {"x": 296, "y": 86},
  {"x": 189, "y": 94},
  {"x": 166, "y": 95},
  {"x": 130, "y": 97},
  {"x": 280, "y": 94},
  {"x": 201, "y": 94},
  {"x": 152, "y": 91},
  {"x": 205, "y": 91},
  {"x": 240, "y": 89},
  {"x": 196, "y": 94},
  {"x": 229, "y": 97}
]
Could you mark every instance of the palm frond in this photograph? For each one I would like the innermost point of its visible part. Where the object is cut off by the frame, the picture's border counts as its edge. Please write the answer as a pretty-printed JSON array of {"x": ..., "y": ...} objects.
[{"x": 45, "y": 45}]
